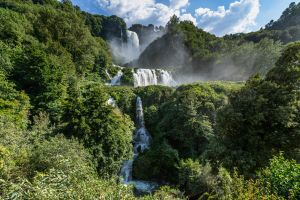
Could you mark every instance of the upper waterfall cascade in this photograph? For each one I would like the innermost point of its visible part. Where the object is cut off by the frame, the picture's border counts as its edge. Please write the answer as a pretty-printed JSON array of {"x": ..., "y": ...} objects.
[
  {"x": 133, "y": 40},
  {"x": 125, "y": 51},
  {"x": 131, "y": 49}
]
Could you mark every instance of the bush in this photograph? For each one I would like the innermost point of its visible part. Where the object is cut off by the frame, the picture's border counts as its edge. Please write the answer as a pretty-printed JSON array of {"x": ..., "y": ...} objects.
[
  {"x": 125, "y": 98},
  {"x": 127, "y": 78},
  {"x": 195, "y": 179},
  {"x": 282, "y": 176},
  {"x": 104, "y": 130},
  {"x": 159, "y": 163},
  {"x": 263, "y": 118}
]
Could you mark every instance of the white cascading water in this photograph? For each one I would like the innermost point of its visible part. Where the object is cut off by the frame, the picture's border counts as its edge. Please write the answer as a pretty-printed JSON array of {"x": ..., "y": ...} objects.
[
  {"x": 125, "y": 52},
  {"x": 166, "y": 78},
  {"x": 133, "y": 41},
  {"x": 112, "y": 102},
  {"x": 145, "y": 77},
  {"x": 141, "y": 142},
  {"x": 116, "y": 80},
  {"x": 108, "y": 75},
  {"x": 131, "y": 50}
]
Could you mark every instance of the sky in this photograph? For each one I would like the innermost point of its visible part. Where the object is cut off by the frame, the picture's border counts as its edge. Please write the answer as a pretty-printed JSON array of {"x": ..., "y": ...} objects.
[{"x": 219, "y": 17}]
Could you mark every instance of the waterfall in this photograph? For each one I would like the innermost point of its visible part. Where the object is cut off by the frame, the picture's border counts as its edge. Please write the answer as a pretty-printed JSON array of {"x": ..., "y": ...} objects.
[
  {"x": 145, "y": 77},
  {"x": 141, "y": 142},
  {"x": 112, "y": 102},
  {"x": 131, "y": 50},
  {"x": 133, "y": 41},
  {"x": 166, "y": 78},
  {"x": 108, "y": 75},
  {"x": 125, "y": 52},
  {"x": 141, "y": 139},
  {"x": 116, "y": 80}
]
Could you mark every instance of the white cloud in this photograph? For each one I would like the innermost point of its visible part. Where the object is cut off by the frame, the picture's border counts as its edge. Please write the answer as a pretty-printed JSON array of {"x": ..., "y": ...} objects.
[
  {"x": 188, "y": 17},
  {"x": 146, "y": 11},
  {"x": 129, "y": 9},
  {"x": 177, "y": 4},
  {"x": 239, "y": 17}
]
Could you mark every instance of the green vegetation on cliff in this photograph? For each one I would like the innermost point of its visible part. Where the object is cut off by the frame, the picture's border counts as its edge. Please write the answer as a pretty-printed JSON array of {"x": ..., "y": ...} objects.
[{"x": 60, "y": 138}]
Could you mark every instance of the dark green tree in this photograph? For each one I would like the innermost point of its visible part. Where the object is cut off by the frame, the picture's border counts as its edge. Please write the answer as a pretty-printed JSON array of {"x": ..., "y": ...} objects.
[
  {"x": 43, "y": 77},
  {"x": 103, "y": 130},
  {"x": 263, "y": 118}
]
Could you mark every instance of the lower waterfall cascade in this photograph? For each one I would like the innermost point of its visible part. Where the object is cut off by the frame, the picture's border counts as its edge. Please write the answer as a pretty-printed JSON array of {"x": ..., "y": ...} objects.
[{"x": 141, "y": 142}]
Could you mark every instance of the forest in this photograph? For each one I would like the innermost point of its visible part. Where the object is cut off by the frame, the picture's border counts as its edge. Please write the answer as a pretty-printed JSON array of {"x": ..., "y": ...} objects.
[{"x": 228, "y": 136}]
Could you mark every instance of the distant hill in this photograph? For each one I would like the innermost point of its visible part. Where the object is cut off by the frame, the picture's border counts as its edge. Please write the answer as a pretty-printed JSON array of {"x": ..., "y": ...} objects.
[
  {"x": 181, "y": 42},
  {"x": 289, "y": 18},
  {"x": 286, "y": 29},
  {"x": 191, "y": 51},
  {"x": 234, "y": 56}
]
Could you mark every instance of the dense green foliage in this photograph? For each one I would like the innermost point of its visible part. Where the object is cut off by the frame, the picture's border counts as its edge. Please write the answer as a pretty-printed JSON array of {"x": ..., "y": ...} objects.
[
  {"x": 105, "y": 131},
  {"x": 238, "y": 126},
  {"x": 61, "y": 139},
  {"x": 127, "y": 78},
  {"x": 280, "y": 168},
  {"x": 43, "y": 46},
  {"x": 105, "y": 27},
  {"x": 263, "y": 118},
  {"x": 181, "y": 125}
]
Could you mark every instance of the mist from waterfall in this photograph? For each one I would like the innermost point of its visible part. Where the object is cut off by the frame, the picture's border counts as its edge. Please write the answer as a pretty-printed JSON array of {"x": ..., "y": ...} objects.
[
  {"x": 133, "y": 42},
  {"x": 141, "y": 142},
  {"x": 124, "y": 52}
]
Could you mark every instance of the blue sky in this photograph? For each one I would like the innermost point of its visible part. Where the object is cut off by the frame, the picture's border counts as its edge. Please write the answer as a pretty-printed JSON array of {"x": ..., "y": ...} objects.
[{"x": 216, "y": 16}]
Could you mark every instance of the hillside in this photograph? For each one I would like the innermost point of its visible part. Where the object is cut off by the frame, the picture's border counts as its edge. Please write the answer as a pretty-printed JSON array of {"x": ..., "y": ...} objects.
[
  {"x": 286, "y": 29},
  {"x": 68, "y": 132},
  {"x": 196, "y": 52},
  {"x": 193, "y": 52}
]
